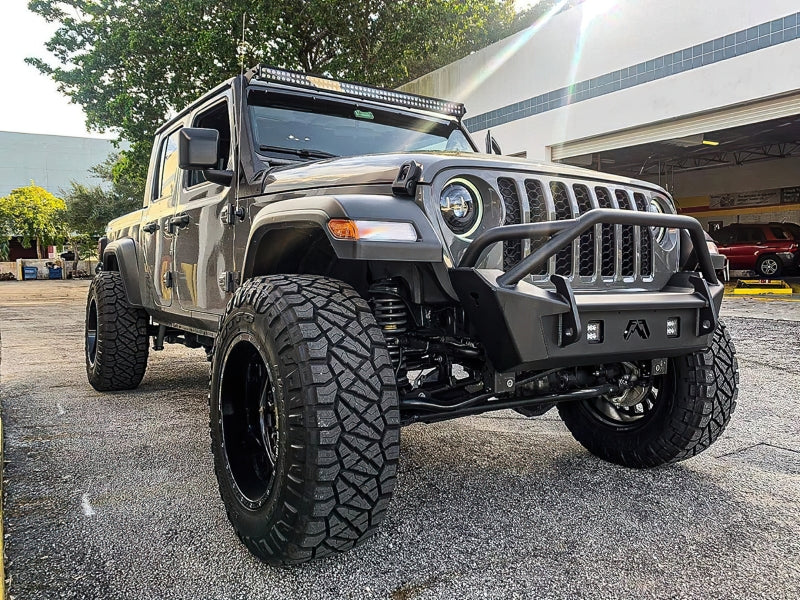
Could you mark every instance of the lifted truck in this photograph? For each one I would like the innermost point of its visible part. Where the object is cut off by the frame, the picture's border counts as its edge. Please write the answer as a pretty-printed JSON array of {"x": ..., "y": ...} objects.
[{"x": 351, "y": 263}]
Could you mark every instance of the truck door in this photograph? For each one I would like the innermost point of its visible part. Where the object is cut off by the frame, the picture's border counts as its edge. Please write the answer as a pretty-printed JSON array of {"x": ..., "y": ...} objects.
[
  {"x": 204, "y": 217},
  {"x": 156, "y": 234}
]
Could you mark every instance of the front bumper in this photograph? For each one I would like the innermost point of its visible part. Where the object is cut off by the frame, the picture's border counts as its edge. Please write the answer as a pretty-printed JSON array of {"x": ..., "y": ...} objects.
[{"x": 522, "y": 326}]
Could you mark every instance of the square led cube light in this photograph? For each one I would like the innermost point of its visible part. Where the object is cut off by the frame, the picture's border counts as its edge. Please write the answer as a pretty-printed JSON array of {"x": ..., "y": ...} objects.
[
  {"x": 673, "y": 327},
  {"x": 594, "y": 332}
]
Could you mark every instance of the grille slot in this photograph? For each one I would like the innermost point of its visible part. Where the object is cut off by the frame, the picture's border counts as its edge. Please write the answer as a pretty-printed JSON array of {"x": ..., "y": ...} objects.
[
  {"x": 563, "y": 211},
  {"x": 607, "y": 235},
  {"x": 512, "y": 249},
  {"x": 586, "y": 243},
  {"x": 628, "y": 243},
  {"x": 538, "y": 208},
  {"x": 645, "y": 238}
]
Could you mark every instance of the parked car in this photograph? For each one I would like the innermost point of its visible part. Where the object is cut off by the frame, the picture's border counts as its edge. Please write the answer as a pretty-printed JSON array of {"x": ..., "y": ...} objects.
[{"x": 767, "y": 249}]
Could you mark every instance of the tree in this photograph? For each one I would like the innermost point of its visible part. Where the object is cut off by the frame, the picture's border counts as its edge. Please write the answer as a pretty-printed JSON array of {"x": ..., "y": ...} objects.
[
  {"x": 35, "y": 215},
  {"x": 130, "y": 63},
  {"x": 90, "y": 208}
]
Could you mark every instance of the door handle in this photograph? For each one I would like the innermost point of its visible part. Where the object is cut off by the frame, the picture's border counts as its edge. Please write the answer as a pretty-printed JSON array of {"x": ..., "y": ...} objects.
[
  {"x": 151, "y": 227},
  {"x": 177, "y": 222}
]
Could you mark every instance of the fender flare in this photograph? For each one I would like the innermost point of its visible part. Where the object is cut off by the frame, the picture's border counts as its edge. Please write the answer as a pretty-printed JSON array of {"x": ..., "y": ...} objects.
[
  {"x": 316, "y": 211},
  {"x": 122, "y": 255}
]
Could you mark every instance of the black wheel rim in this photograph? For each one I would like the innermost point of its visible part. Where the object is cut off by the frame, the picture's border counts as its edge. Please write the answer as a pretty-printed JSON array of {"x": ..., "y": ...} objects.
[
  {"x": 250, "y": 421},
  {"x": 91, "y": 332},
  {"x": 620, "y": 417}
]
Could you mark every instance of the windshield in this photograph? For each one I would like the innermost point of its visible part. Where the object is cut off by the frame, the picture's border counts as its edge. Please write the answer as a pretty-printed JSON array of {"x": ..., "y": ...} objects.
[{"x": 308, "y": 128}]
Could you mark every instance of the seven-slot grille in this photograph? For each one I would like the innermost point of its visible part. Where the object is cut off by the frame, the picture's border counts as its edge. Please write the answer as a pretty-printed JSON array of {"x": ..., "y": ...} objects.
[{"x": 606, "y": 251}]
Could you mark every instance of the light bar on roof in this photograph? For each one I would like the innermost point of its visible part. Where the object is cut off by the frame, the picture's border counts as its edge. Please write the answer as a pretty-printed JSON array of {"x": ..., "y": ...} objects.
[{"x": 455, "y": 109}]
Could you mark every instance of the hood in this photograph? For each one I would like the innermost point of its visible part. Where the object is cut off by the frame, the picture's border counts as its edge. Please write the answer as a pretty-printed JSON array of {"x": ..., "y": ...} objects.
[{"x": 376, "y": 169}]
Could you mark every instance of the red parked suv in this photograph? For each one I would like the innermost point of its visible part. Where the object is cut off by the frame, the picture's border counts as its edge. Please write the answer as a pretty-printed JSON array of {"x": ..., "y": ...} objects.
[{"x": 767, "y": 249}]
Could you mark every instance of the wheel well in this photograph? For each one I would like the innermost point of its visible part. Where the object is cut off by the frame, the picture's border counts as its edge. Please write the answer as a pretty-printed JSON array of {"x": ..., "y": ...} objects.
[
  {"x": 110, "y": 262},
  {"x": 304, "y": 249}
]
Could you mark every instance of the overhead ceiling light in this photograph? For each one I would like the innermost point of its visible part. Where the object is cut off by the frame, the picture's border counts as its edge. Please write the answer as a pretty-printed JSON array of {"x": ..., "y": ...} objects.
[
  {"x": 686, "y": 141},
  {"x": 710, "y": 143}
]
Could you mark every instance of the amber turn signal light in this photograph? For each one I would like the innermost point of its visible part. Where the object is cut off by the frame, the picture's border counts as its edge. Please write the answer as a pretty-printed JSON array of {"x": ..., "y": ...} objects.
[{"x": 343, "y": 229}]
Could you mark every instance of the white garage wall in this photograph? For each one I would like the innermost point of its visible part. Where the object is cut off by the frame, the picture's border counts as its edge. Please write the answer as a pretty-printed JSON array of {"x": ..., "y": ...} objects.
[{"x": 576, "y": 45}]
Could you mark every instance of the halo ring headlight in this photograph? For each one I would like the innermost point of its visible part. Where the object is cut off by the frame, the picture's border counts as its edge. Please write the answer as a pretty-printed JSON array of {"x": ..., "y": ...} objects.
[
  {"x": 461, "y": 206},
  {"x": 656, "y": 207}
]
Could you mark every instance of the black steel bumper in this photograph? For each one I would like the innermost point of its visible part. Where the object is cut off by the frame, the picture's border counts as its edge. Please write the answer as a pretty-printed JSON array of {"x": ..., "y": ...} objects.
[{"x": 523, "y": 326}]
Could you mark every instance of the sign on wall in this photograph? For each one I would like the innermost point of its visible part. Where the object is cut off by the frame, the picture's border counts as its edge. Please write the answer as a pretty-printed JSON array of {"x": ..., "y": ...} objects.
[{"x": 789, "y": 195}]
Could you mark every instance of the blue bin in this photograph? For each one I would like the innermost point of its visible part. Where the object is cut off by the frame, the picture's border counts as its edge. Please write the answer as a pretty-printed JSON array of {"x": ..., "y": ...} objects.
[
  {"x": 55, "y": 272},
  {"x": 29, "y": 273}
]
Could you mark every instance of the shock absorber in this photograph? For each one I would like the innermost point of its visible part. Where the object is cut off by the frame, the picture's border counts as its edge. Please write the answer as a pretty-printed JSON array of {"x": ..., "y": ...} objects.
[{"x": 391, "y": 313}]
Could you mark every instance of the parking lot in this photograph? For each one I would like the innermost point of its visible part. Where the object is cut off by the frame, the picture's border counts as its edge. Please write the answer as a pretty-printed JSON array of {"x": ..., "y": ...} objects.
[{"x": 113, "y": 495}]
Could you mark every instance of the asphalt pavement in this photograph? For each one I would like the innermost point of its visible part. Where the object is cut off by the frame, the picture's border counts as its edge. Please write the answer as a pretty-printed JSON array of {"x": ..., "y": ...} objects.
[{"x": 113, "y": 496}]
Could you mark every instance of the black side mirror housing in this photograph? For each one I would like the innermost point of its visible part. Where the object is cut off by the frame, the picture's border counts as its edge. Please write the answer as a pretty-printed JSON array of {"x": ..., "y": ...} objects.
[
  {"x": 198, "y": 151},
  {"x": 197, "y": 148}
]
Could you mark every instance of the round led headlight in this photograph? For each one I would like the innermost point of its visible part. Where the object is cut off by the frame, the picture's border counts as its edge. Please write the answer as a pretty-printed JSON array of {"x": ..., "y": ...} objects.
[
  {"x": 461, "y": 206},
  {"x": 657, "y": 207}
]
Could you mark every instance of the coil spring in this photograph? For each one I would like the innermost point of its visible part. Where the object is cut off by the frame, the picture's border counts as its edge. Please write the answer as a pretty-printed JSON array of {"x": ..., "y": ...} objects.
[{"x": 391, "y": 314}]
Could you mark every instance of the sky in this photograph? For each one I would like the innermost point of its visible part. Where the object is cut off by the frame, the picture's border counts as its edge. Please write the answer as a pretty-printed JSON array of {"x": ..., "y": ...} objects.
[{"x": 36, "y": 105}]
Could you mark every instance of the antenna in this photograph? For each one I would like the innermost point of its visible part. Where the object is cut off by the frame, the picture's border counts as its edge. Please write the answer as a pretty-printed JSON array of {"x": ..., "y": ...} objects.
[{"x": 241, "y": 52}]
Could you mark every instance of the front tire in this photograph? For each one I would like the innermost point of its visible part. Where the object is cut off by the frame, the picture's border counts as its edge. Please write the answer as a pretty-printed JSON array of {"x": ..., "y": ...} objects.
[
  {"x": 305, "y": 423},
  {"x": 116, "y": 340},
  {"x": 769, "y": 266},
  {"x": 690, "y": 409}
]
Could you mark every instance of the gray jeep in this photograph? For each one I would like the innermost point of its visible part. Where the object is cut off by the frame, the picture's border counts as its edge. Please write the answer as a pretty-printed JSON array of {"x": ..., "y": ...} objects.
[{"x": 351, "y": 263}]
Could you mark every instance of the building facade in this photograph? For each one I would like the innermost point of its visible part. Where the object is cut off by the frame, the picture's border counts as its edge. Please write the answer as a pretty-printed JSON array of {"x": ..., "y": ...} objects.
[
  {"x": 50, "y": 161},
  {"x": 702, "y": 97}
]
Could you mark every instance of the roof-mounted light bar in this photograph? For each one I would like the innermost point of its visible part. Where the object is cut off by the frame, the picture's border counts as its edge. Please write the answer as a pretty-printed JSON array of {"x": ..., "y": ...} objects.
[{"x": 367, "y": 92}]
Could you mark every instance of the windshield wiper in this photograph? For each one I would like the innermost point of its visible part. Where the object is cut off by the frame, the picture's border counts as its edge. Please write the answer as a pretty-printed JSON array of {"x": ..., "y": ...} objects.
[{"x": 301, "y": 152}]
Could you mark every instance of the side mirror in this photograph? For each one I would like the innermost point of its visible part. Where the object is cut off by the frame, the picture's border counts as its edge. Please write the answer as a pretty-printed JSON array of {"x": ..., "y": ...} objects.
[
  {"x": 492, "y": 147},
  {"x": 197, "y": 148},
  {"x": 198, "y": 151}
]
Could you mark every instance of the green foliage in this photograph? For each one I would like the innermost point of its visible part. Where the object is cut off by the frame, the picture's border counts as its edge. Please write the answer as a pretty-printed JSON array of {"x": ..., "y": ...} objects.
[
  {"x": 90, "y": 208},
  {"x": 35, "y": 215}
]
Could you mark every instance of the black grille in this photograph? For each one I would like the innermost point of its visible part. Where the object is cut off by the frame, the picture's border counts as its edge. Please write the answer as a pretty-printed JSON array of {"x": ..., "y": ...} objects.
[
  {"x": 538, "y": 206},
  {"x": 563, "y": 211},
  {"x": 607, "y": 234},
  {"x": 619, "y": 245},
  {"x": 586, "y": 244},
  {"x": 512, "y": 249},
  {"x": 645, "y": 238},
  {"x": 627, "y": 246}
]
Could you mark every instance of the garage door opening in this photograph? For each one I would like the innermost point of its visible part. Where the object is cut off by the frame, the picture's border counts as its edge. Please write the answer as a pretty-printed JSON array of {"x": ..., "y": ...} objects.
[{"x": 745, "y": 175}]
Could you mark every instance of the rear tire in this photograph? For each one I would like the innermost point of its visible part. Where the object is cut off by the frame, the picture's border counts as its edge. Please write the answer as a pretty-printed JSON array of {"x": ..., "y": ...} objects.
[
  {"x": 305, "y": 423},
  {"x": 116, "y": 340},
  {"x": 694, "y": 404}
]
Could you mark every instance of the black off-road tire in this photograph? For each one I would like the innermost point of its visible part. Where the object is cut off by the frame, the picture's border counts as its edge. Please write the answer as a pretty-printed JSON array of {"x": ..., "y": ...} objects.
[
  {"x": 116, "y": 340},
  {"x": 698, "y": 399},
  {"x": 775, "y": 263},
  {"x": 332, "y": 421}
]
